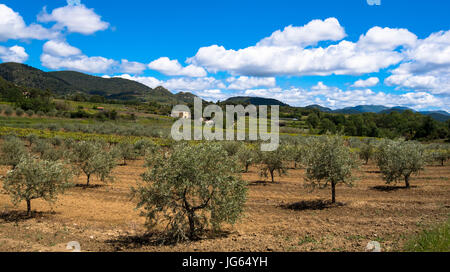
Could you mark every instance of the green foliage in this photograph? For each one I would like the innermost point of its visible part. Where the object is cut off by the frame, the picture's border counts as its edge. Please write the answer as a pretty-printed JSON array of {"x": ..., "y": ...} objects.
[
  {"x": 33, "y": 179},
  {"x": 145, "y": 146},
  {"x": 367, "y": 150},
  {"x": 92, "y": 158},
  {"x": 19, "y": 112},
  {"x": 436, "y": 239},
  {"x": 191, "y": 188},
  {"x": 329, "y": 162},
  {"x": 125, "y": 151},
  {"x": 30, "y": 113},
  {"x": 272, "y": 161},
  {"x": 13, "y": 150},
  {"x": 246, "y": 156},
  {"x": 8, "y": 111},
  {"x": 294, "y": 147},
  {"x": 231, "y": 147},
  {"x": 313, "y": 120},
  {"x": 400, "y": 159},
  {"x": 41, "y": 146},
  {"x": 441, "y": 154},
  {"x": 83, "y": 87}
]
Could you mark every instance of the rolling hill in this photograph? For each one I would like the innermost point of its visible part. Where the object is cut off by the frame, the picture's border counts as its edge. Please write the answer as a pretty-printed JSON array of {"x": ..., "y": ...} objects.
[
  {"x": 69, "y": 82},
  {"x": 257, "y": 101}
]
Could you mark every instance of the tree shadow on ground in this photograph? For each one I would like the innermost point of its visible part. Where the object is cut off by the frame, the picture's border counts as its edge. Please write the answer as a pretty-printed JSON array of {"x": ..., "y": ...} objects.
[
  {"x": 91, "y": 186},
  {"x": 374, "y": 172},
  {"x": 311, "y": 205},
  {"x": 127, "y": 242},
  {"x": 386, "y": 188},
  {"x": 19, "y": 216},
  {"x": 262, "y": 183}
]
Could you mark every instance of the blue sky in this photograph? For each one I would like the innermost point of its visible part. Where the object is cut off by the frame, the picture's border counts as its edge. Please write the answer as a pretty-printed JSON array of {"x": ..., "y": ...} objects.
[{"x": 333, "y": 53}]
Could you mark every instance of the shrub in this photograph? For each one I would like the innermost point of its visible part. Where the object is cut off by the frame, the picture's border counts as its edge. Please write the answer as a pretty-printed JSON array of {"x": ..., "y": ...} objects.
[
  {"x": 93, "y": 159},
  {"x": 8, "y": 111},
  {"x": 246, "y": 156},
  {"x": 143, "y": 146},
  {"x": 33, "y": 179},
  {"x": 366, "y": 150},
  {"x": 400, "y": 159},
  {"x": 231, "y": 147},
  {"x": 190, "y": 189},
  {"x": 441, "y": 155},
  {"x": 32, "y": 139},
  {"x": 329, "y": 162},
  {"x": 57, "y": 141},
  {"x": 271, "y": 162},
  {"x": 19, "y": 112},
  {"x": 125, "y": 151},
  {"x": 30, "y": 113},
  {"x": 294, "y": 151},
  {"x": 12, "y": 150},
  {"x": 41, "y": 146}
]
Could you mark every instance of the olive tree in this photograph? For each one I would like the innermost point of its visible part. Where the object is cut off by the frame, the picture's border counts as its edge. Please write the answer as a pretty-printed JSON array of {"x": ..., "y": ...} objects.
[
  {"x": 92, "y": 158},
  {"x": 231, "y": 147},
  {"x": 328, "y": 163},
  {"x": 33, "y": 179},
  {"x": 272, "y": 161},
  {"x": 13, "y": 149},
  {"x": 41, "y": 146},
  {"x": 144, "y": 145},
  {"x": 125, "y": 151},
  {"x": 246, "y": 156},
  {"x": 441, "y": 155},
  {"x": 295, "y": 152},
  {"x": 32, "y": 139},
  {"x": 47, "y": 151},
  {"x": 191, "y": 188},
  {"x": 366, "y": 150},
  {"x": 400, "y": 159}
]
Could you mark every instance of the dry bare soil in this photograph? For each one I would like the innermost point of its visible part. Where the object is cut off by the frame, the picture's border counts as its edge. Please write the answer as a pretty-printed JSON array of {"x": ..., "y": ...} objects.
[{"x": 281, "y": 216}]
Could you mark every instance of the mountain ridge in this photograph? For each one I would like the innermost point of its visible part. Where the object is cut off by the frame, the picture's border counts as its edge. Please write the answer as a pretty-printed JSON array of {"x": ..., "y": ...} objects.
[
  {"x": 71, "y": 82},
  {"x": 439, "y": 115}
]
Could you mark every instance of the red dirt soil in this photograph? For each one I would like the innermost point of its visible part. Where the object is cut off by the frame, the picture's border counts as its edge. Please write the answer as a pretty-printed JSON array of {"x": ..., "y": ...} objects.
[{"x": 280, "y": 216}]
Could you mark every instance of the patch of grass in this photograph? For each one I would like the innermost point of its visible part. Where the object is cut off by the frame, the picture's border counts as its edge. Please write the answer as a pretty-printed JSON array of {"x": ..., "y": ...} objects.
[
  {"x": 307, "y": 239},
  {"x": 356, "y": 237},
  {"x": 436, "y": 239}
]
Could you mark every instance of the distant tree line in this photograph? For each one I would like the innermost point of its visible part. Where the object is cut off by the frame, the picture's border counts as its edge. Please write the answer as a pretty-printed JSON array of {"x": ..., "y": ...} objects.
[{"x": 407, "y": 124}]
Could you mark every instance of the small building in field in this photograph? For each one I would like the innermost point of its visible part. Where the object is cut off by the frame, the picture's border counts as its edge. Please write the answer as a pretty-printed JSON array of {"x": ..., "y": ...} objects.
[
  {"x": 181, "y": 114},
  {"x": 209, "y": 123}
]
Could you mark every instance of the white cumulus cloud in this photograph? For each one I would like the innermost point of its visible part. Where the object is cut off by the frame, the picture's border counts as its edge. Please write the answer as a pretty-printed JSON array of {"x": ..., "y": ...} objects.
[
  {"x": 271, "y": 57},
  {"x": 243, "y": 82},
  {"x": 378, "y": 38},
  {"x": 132, "y": 67},
  {"x": 60, "y": 48},
  {"x": 366, "y": 83},
  {"x": 427, "y": 67},
  {"x": 309, "y": 34},
  {"x": 75, "y": 18},
  {"x": 61, "y": 55},
  {"x": 148, "y": 81},
  {"x": 170, "y": 67},
  {"x": 12, "y": 26},
  {"x": 13, "y": 54}
]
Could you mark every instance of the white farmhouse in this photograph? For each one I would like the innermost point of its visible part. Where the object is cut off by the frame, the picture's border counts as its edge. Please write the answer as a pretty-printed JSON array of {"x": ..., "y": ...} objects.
[{"x": 181, "y": 114}]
